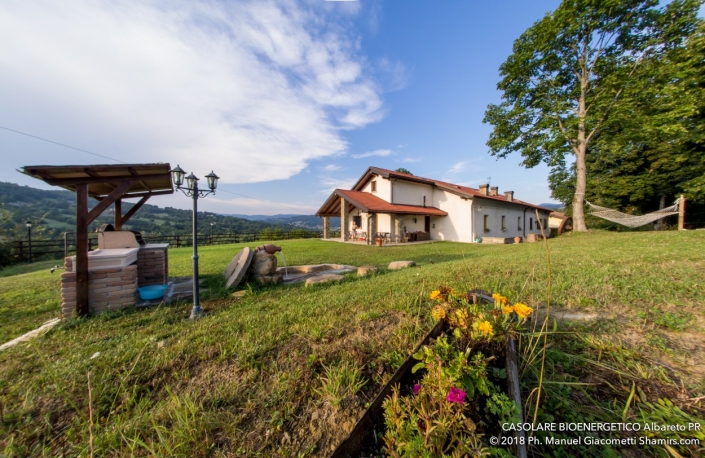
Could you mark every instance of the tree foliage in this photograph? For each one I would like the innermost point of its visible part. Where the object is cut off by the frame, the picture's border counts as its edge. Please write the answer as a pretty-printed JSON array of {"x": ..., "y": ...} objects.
[
  {"x": 654, "y": 148},
  {"x": 568, "y": 73},
  {"x": 403, "y": 170}
]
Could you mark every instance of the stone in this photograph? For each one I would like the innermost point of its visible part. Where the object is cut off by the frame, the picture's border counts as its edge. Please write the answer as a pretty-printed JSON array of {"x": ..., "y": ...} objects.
[
  {"x": 241, "y": 263},
  {"x": 269, "y": 279},
  {"x": 365, "y": 270},
  {"x": 263, "y": 264},
  {"x": 234, "y": 263},
  {"x": 396, "y": 265},
  {"x": 239, "y": 294},
  {"x": 161, "y": 344},
  {"x": 323, "y": 279}
]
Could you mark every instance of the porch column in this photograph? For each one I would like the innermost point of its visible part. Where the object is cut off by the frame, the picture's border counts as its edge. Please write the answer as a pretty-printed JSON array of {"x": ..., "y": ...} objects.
[
  {"x": 344, "y": 220},
  {"x": 326, "y": 227},
  {"x": 372, "y": 228},
  {"x": 397, "y": 229}
]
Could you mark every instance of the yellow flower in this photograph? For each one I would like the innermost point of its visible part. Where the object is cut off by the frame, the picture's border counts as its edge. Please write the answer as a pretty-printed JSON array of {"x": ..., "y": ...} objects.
[
  {"x": 438, "y": 312},
  {"x": 486, "y": 328},
  {"x": 435, "y": 294},
  {"x": 461, "y": 316},
  {"x": 523, "y": 310},
  {"x": 507, "y": 309},
  {"x": 499, "y": 299}
]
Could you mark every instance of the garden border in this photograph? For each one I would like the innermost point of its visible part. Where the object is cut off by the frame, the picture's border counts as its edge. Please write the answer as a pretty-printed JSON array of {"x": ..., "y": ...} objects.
[{"x": 352, "y": 444}]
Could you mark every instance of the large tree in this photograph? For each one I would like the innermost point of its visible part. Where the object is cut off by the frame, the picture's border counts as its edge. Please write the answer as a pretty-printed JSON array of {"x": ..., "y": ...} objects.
[
  {"x": 653, "y": 149},
  {"x": 568, "y": 72}
]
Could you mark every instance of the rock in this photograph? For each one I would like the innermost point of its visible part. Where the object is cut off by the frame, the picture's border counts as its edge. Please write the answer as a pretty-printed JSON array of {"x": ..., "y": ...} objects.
[
  {"x": 364, "y": 270},
  {"x": 239, "y": 294},
  {"x": 269, "y": 279},
  {"x": 323, "y": 279},
  {"x": 238, "y": 267},
  {"x": 263, "y": 264},
  {"x": 396, "y": 265},
  {"x": 161, "y": 344}
]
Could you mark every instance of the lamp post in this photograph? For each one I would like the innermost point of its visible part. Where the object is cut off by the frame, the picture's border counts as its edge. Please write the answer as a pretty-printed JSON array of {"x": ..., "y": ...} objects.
[
  {"x": 29, "y": 237},
  {"x": 191, "y": 190}
]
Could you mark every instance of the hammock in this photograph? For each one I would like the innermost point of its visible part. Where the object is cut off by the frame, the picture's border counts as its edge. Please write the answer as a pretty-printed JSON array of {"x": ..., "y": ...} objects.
[{"x": 632, "y": 220}]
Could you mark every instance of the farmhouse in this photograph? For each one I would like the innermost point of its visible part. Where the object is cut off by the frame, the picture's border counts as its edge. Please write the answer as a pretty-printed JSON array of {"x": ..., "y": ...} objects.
[{"x": 401, "y": 207}]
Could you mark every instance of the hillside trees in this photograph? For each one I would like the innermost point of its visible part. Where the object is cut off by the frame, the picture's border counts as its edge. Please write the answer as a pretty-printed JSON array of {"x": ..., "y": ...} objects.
[{"x": 567, "y": 77}]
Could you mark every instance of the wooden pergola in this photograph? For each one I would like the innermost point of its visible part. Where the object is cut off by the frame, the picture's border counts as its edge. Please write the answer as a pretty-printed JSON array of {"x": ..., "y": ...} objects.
[{"x": 109, "y": 184}]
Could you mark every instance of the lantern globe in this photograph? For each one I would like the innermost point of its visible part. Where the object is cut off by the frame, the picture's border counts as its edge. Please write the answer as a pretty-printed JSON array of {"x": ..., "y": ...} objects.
[{"x": 178, "y": 176}]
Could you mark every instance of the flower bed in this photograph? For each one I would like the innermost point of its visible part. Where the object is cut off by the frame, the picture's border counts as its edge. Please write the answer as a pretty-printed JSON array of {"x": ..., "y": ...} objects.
[{"x": 450, "y": 397}]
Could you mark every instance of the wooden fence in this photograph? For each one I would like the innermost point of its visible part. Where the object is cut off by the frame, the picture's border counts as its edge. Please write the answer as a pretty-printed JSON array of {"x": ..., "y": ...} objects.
[{"x": 56, "y": 249}]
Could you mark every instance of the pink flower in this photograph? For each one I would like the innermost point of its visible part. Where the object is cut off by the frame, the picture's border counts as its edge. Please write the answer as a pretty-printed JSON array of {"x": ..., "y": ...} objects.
[
  {"x": 417, "y": 388},
  {"x": 456, "y": 395}
]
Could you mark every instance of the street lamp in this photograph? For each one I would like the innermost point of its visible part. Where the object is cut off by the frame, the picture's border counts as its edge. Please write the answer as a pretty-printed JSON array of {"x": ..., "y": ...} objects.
[
  {"x": 191, "y": 190},
  {"x": 29, "y": 237}
]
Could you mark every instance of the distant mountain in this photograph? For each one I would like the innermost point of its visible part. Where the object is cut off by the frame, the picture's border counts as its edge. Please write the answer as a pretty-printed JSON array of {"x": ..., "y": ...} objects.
[
  {"x": 553, "y": 206},
  {"x": 53, "y": 212},
  {"x": 311, "y": 222}
]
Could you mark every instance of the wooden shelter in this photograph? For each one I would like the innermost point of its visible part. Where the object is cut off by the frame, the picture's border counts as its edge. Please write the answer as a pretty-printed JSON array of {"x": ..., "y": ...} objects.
[{"x": 108, "y": 184}]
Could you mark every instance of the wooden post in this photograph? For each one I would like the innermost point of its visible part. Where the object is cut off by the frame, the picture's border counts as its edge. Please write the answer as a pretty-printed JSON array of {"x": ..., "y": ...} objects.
[
  {"x": 82, "y": 249},
  {"x": 681, "y": 213},
  {"x": 118, "y": 215}
]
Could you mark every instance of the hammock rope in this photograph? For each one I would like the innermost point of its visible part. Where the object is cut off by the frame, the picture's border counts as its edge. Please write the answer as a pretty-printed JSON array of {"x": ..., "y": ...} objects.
[{"x": 631, "y": 220}]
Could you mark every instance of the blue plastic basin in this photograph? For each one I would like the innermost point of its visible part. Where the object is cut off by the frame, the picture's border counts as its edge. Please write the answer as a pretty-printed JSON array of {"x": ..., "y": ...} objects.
[{"x": 152, "y": 291}]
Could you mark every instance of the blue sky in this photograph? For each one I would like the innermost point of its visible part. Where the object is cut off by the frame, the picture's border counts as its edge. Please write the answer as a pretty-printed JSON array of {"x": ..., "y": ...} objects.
[{"x": 284, "y": 100}]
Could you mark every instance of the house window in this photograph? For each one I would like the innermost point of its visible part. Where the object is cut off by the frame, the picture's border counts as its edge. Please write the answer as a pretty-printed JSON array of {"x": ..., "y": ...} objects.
[
  {"x": 374, "y": 186},
  {"x": 519, "y": 223},
  {"x": 504, "y": 228},
  {"x": 487, "y": 223},
  {"x": 531, "y": 224}
]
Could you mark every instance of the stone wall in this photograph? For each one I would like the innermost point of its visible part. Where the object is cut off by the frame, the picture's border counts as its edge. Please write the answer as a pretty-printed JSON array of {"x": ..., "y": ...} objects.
[
  {"x": 112, "y": 288},
  {"x": 152, "y": 266}
]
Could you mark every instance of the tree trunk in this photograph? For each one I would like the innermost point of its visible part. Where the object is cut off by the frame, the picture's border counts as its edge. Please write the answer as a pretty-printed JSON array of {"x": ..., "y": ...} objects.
[{"x": 580, "y": 186}]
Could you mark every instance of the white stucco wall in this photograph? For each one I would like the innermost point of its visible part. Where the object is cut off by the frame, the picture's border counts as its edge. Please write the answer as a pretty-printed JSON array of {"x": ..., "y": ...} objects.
[
  {"x": 384, "y": 188},
  {"x": 410, "y": 193},
  {"x": 457, "y": 226},
  {"x": 517, "y": 222}
]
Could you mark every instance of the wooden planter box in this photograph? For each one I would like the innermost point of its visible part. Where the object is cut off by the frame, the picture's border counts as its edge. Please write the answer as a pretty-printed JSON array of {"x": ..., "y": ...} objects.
[{"x": 363, "y": 432}]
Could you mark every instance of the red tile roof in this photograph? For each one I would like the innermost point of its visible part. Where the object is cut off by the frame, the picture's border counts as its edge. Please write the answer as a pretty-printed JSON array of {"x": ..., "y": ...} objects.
[
  {"x": 372, "y": 203},
  {"x": 454, "y": 188}
]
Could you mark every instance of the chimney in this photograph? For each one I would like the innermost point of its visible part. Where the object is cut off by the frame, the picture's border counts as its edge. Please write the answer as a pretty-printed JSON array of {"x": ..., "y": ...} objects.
[
  {"x": 509, "y": 195},
  {"x": 494, "y": 190},
  {"x": 483, "y": 189}
]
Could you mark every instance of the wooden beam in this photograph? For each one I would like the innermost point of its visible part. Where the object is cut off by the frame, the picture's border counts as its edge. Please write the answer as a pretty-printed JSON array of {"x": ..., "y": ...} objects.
[
  {"x": 133, "y": 210},
  {"x": 681, "y": 213},
  {"x": 105, "y": 203},
  {"x": 118, "y": 215},
  {"x": 149, "y": 194},
  {"x": 82, "y": 250},
  {"x": 106, "y": 180}
]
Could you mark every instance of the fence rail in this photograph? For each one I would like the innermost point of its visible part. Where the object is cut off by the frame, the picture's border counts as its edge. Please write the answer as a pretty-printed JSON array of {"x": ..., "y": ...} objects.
[{"x": 19, "y": 250}]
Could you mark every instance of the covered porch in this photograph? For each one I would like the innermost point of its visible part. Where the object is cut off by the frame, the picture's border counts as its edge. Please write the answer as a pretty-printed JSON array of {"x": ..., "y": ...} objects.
[{"x": 365, "y": 217}]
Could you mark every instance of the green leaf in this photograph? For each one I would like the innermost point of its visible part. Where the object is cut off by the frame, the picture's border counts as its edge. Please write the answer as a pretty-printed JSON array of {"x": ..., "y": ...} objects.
[{"x": 417, "y": 366}]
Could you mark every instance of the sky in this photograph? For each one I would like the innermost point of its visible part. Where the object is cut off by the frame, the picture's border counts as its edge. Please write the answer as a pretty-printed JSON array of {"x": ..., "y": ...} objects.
[{"x": 285, "y": 100}]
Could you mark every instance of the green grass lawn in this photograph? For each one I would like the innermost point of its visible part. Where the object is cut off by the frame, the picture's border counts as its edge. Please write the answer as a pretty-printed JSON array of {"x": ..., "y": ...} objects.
[{"x": 246, "y": 380}]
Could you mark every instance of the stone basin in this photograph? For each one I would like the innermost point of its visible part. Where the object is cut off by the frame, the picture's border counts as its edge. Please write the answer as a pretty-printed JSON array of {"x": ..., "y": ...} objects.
[{"x": 297, "y": 274}]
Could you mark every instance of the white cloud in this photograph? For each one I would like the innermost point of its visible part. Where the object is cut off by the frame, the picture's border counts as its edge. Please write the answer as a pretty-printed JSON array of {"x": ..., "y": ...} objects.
[
  {"x": 331, "y": 168},
  {"x": 331, "y": 184},
  {"x": 457, "y": 167},
  {"x": 256, "y": 207},
  {"x": 375, "y": 153},
  {"x": 408, "y": 160},
  {"x": 251, "y": 89}
]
